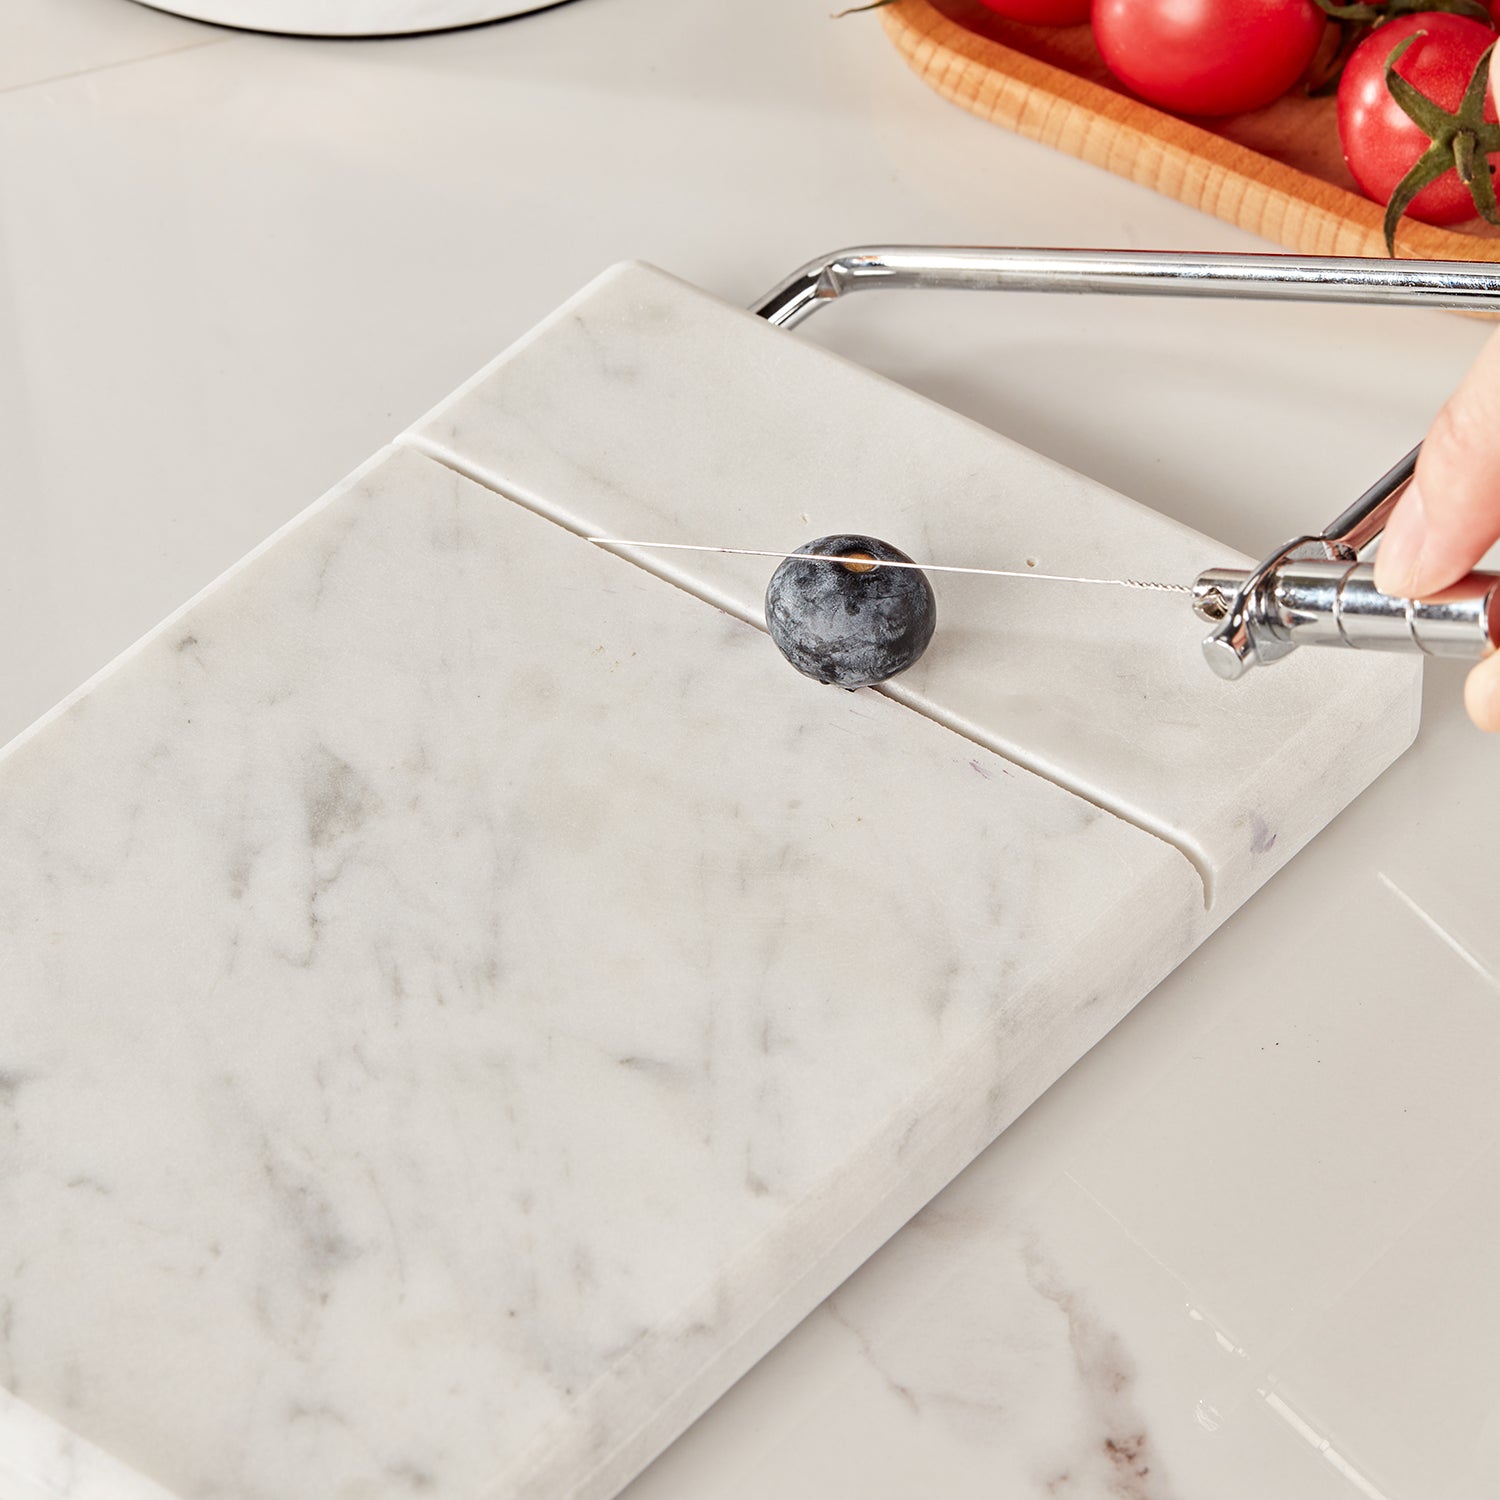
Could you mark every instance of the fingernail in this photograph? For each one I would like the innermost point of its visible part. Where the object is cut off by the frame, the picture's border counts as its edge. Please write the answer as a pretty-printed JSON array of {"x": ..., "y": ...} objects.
[
  {"x": 1398, "y": 562},
  {"x": 1482, "y": 694}
]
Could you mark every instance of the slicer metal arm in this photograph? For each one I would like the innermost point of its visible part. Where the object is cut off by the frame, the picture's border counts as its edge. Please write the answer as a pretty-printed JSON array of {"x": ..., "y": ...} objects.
[
  {"x": 1456, "y": 285},
  {"x": 1353, "y": 529}
]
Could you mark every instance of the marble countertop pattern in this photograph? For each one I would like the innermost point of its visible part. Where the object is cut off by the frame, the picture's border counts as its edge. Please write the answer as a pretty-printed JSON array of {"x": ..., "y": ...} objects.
[{"x": 1245, "y": 1244}]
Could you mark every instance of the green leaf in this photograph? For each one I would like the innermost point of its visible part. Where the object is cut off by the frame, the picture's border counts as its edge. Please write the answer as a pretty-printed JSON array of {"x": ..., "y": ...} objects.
[
  {"x": 1355, "y": 12},
  {"x": 1474, "y": 9},
  {"x": 1437, "y": 159},
  {"x": 1482, "y": 190},
  {"x": 1463, "y": 156},
  {"x": 1471, "y": 106},
  {"x": 1434, "y": 120}
]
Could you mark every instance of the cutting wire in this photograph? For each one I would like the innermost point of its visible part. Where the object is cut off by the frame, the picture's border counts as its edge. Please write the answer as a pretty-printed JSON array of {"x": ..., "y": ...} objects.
[{"x": 868, "y": 564}]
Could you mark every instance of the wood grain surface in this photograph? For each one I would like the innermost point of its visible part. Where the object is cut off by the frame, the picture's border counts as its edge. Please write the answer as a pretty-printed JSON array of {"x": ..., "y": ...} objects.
[{"x": 1277, "y": 172}]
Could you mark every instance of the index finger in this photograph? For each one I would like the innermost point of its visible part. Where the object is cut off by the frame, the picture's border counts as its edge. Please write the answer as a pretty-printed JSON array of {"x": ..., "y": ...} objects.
[{"x": 1449, "y": 516}]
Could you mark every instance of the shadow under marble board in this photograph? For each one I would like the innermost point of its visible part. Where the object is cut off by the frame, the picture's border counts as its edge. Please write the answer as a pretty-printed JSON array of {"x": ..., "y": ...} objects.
[{"x": 466, "y": 998}]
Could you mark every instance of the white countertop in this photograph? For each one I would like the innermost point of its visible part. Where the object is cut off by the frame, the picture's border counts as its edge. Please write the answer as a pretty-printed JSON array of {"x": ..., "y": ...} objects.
[{"x": 1244, "y": 1245}]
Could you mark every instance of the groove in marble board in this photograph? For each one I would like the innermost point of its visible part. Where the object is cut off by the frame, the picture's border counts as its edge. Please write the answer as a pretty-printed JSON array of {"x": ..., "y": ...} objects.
[{"x": 703, "y": 416}]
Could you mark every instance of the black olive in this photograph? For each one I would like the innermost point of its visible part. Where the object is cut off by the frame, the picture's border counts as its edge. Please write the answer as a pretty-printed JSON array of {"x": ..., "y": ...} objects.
[{"x": 850, "y": 624}]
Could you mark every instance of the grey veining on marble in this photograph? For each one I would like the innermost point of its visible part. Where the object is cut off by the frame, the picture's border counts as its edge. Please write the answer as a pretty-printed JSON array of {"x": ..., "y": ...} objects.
[
  {"x": 704, "y": 425},
  {"x": 1247, "y": 1244},
  {"x": 465, "y": 998},
  {"x": 461, "y": 1007}
]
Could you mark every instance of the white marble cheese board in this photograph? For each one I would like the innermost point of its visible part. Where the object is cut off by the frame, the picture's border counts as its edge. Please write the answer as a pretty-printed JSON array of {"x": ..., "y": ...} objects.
[{"x": 465, "y": 998}]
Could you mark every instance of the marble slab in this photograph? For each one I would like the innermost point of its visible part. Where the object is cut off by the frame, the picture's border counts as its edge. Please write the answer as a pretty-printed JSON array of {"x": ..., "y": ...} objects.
[
  {"x": 1244, "y": 1249},
  {"x": 465, "y": 998},
  {"x": 647, "y": 409},
  {"x": 40, "y": 1459},
  {"x": 461, "y": 1007}
]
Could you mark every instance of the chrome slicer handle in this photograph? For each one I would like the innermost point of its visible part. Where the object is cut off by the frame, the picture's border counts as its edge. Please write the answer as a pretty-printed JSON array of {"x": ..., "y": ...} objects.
[
  {"x": 1317, "y": 603},
  {"x": 1313, "y": 590}
]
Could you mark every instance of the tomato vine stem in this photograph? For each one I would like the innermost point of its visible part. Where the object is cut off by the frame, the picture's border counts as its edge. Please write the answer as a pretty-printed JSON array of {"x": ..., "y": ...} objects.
[{"x": 1462, "y": 140}]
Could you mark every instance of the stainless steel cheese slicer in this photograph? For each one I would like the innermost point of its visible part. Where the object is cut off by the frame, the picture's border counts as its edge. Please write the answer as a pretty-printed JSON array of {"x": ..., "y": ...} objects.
[{"x": 1313, "y": 590}]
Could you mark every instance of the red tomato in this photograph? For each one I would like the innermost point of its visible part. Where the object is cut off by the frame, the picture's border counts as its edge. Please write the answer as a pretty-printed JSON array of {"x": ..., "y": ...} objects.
[
  {"x": 1208, "y": 57},
  {"x": 1044, "y": 12},
  {"x": 1380, "y": 140}
]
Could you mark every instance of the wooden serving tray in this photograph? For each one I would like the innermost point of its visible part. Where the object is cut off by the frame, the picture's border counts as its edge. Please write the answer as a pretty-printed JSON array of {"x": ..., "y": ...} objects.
[{"x": 1277, "y": 172}]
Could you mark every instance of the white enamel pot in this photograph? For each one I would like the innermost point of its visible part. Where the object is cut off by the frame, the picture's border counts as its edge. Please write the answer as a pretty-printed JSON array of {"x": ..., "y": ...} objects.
[{"x": 350, "y": 18}]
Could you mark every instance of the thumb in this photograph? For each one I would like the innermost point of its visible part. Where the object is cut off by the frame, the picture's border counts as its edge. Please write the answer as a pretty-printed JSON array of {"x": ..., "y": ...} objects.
[
  {"x": 1450, "y": 514},
  {"x": 1482, "y": 694}
]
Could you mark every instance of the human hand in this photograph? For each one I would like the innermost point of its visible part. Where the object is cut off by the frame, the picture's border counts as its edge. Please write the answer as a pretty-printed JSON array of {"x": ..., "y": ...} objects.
[{"x": 1450, "y": 514}]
